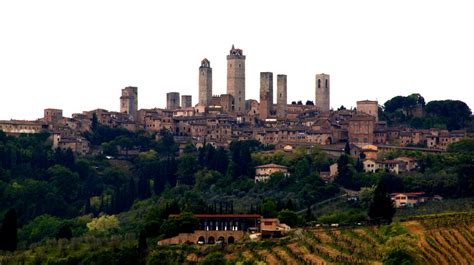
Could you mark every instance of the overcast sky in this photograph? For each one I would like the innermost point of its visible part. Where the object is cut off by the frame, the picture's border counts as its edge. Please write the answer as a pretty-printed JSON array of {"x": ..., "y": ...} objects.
[{"x": 77, "y": 55}]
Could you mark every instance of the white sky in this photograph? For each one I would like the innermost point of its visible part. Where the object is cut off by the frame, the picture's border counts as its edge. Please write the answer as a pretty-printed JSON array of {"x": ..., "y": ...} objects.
[{"x": 77, "y": 55}]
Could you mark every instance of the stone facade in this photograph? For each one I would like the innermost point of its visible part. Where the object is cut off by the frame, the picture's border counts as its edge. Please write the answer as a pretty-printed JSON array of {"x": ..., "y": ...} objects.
[
  {"x": 205, "y": 83},
  {"x": 266, "y": 94},
  {"x": 361, "y": 129},
  {"x": 370, "y": 107},
  {"x": 172, "y": 100},
  {"x": 282, "y": 99},
  {"x": 236, "y": 78},
  {"x": 186, "y": 101},
  {"x": 129, "y": 102},
  {"x": 53, "y": 115},
  {"x": 322, "y": 92}
]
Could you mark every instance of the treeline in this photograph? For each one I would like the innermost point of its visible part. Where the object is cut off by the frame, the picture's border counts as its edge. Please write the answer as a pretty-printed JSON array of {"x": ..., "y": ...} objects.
[{"x": 413, "y": 111}]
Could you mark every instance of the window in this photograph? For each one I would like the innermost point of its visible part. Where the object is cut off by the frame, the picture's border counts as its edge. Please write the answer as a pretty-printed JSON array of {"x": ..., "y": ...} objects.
[
  {"x": 327, "y": 83},
  {"x": 319, "y": 83}
]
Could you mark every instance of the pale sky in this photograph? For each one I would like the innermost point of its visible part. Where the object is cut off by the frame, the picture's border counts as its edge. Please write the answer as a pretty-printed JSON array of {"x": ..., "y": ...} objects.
[{"x": 78, "y": 55}]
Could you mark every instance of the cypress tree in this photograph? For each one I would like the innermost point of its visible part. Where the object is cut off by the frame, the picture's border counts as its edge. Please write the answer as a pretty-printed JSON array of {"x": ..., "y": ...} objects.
[
  {"x": 64, "y": 232},
  {"x": 142, "y": 245},
  {"x": 143, "y": 188},
  {"x": 347, "y": 149},
  {"x": 381, "y": 207},
  {"x": 8, "y": 232}
]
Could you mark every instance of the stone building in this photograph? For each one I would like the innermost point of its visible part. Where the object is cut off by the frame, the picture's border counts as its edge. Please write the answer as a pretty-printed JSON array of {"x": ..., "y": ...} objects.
[
  {"x": 370, "y": 107},
  {"x": 282, "y": 107},
  {"x": 172, "y": 100},
  {"x": 361, "y": 129},
  {"x": 205, "y": 83},
  {"x": 236, "y": 78},
  {"x": 15, "y": 127},
  {"x": 266, "y": 94},
  {"x": 227, "y": 103},
  {"x": 263, "y": 172},
  {"x": 52, "y": 115},
  {"x": 129, "y": 102},
  {"x": 186, "y": 101},
  {"x": 322, "y": 92}
]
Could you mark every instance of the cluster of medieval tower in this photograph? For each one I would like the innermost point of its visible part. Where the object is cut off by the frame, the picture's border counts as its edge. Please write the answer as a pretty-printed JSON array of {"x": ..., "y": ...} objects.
[{"x": 234, "y": 101}]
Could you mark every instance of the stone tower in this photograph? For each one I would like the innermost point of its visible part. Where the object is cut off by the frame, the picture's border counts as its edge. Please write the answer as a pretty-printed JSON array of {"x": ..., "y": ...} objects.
[
  {"x": 205, "y": 83},
  {"x": 322, "y": 92},
  {"x": 281, "y": 97},
  {"x": 370, "y": 107},
  {"x": 186, "y": 101},
  {"x": 172, "y": 100},
  {"x": 266, "y": 94},
  {"x": 129, "y": 102},
  {"x": 236, "y": 78}
]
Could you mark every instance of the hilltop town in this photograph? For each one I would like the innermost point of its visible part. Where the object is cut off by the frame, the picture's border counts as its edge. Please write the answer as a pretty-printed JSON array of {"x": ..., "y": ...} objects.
[
  {"x": 230, "y": 176},
  {"x": 218, "y": 120}
]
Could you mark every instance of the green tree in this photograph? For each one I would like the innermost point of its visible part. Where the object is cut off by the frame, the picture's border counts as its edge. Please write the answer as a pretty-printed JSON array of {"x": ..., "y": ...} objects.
[
  {"x": 345, "y": 172},
  {"x": 66, "y": 183},
  {"x": 187, "y": 166},
  {"x": 288, "y": 217},
  {"x": 144, "y": 191},
  {"x": 170, "y": 227},
  {"x": 94, "y": 122},
  {"x": 347, "y": 149},
  {"x": 381, "y": 207},
  {"x": 8, "y": 232},
  {"x": 64, "y": 232},
  {"x": 464, "y": 146},
  {"x": 455, "y": 113},
  {"x": 187, "y": 222},
  {"x": 214, "y": 258},
  {"x": 268, "y": 208},
  {"x": 103, "y": 224},
  {"x": 302, "y": 168},
  {"x": 465, "y": 179}
]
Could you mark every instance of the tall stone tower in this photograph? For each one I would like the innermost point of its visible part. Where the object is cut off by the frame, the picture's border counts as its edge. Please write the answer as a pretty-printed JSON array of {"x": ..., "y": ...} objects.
[
  {"x": 266, "y": 94},
  {"x": 172, "y": 100},
  {"x": 129, "y": 101},
  {"x": 322, "y": 92},
  {"x": 236, "y": 78},
  {"x": 186, "y": 101},
  {"x": 205, "y": 83},
  {"x": 281, "y": 97}
]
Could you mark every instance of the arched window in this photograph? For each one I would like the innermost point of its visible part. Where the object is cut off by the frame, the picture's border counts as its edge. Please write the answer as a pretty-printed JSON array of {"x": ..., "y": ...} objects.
[
  {"x": 211, "y": 240},
  {"x": 319, "y": 83},
  {"x": 327, "y": 83},
  {"x": 201, "y": 240}
]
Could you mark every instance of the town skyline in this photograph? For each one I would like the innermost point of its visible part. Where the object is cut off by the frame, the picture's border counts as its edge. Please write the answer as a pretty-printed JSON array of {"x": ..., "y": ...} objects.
[{"x": 56, "y": 59}]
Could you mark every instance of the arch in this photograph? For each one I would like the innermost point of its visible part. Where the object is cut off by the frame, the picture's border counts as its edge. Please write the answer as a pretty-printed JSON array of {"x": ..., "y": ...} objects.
[
  {"x": 201, "y": 239},
  {"x": 231, "y": 240},
  {"x": 211, "y": 240},
  {"x": 221, "y": 240},
  {"x": 329, "y": 140},
  {"x": 319, "y": 83}
]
